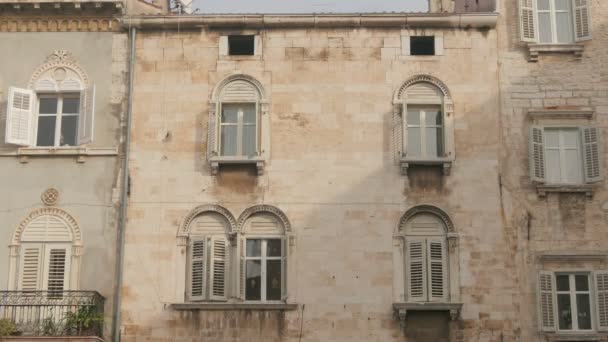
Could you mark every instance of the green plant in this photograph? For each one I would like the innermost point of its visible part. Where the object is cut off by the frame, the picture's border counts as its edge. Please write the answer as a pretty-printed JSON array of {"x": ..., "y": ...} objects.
[
  {"x": 7, "y": 327},
  {"x": 49, "y": 327},
  {"x": 82, "y": 322}
]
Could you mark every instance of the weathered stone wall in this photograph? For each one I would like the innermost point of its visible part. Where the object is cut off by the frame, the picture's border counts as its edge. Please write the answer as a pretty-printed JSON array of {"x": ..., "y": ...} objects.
[
  {"x": 332, "y": 170},
  {"x": 561, "y": 222}
]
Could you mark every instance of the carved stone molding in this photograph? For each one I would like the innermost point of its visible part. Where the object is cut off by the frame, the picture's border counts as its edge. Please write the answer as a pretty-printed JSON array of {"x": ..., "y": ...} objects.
[
  {"x": 50, "y": 196},
  {"x": 44, "y": 24},
  {"x": 398, "y": 97},
  {"x": 537, "y": 49},
  {"x": 52, "y": 211},
  {"x": 58, "y": 65},
  {"x": 260, "y": 208},
  {"x": 543, "y": 189},
  {"x": 14, "y": 250},
  {"x": 429, "y": 209},
  {"x": 400, "y": 310},
  {"x": 184, "y": 229}
]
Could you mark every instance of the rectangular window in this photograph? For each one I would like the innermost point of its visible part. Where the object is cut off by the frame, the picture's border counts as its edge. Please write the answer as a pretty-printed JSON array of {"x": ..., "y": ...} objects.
[
  {"x": 555, "y": 21},
  {"x": 422, "y": 45},
  {"x": 573, "y": 296},
  {"x": 241, "y": 45},
  {"x": 425, "y": 132},
  {"x": 238, "y": 136},
  {"x": 563, "y": 156},
  {"x": 58, "y": 120},
  {"x": 263, "y": 269}
]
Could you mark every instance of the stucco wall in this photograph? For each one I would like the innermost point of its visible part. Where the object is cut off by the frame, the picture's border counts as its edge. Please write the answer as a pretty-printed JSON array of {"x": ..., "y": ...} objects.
[{"x": 332, "y": 170}]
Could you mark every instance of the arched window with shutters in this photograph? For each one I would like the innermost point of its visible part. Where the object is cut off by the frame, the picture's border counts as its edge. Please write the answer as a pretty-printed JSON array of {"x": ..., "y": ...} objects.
[
  {"x": 238, "y": 124},
  {"x": 424, "y": 106},
  {"x": 263, "y": 249},
  {"x": 45, "y": 253}
]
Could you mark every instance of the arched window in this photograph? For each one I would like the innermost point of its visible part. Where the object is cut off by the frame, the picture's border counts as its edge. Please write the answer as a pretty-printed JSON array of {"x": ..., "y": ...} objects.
[
  {"x": 263, "y": 250},
  {"x": 56, "y": 109},
  {"x": 426, "y": 113},
  {"x": 238, "y": 127}
]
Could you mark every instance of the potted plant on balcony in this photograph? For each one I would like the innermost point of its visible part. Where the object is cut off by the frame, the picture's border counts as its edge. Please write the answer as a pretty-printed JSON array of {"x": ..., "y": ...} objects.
[
  {"x": 84, "y": 322},
  {"x": 8, "y": 328}
]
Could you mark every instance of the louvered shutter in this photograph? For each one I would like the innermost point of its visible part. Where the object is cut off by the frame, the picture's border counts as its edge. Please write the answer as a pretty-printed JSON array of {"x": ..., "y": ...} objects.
[
  {"x": 86, "y": 119},
  {"x": 219, "y": 268},
  {"x": 56, "y": 272},
  {"x": 30, "y": 268},
  {"x": 601, "y": 289},
  {"x": 437, "y": 270},
  {"x": 546, "y": 301},
  {"x": 242, "y": 271},
  {"x": 537, "y": 154},
  {"x": 284, "y": 254},
  {"x": 198, "y": 269},
  {"x": 527, "y": 20},
  {"x": 416, "y": 270},
  {"x": 19, "y": 116},
  {"x": 592, "y": 154},
  {"x": 404, "y": 126},
  {"x": 582, "y": 20},
  {"x": 211, "y": 135}
]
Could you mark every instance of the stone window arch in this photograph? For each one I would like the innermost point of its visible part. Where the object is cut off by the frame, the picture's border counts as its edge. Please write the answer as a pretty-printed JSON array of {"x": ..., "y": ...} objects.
[
  {"x": 424, "y": 107},
  {"x": 238, "y": 129},
  {"x": 45, "y": 253}
]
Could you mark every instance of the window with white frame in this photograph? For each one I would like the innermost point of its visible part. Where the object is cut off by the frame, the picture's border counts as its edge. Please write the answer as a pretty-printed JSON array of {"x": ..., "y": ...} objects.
[
  {"x": 57, "y": 120},
  {"x": 573, "y": 301},
  {"x": 554, "y": 21},
  {"x": 425, "y": 138},
  {"x": 238, "y": 130},
  {"x": 565, "y": 155},
  {"x": 240, "y": 45}
]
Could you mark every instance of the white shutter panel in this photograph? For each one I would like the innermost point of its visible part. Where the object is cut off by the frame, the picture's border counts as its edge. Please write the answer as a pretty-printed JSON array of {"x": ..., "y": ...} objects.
[
  {"x": 31, "y": 264},
  {"x": 527, "y": 20},
  {"x": 437, "y": 270},
  {"x": 284, "y": 256},
  {"x": 219, "y": 268},
  {"x": 211, "y": 135},
  {"x": 537, "y": 154},
  {"x": 601, "y": 289},
  {"x": 546, "y": 301},
  {"x": 86, "y": 119},
  {"x": 56, "y": 272},
  {"x": 242, "y": 270},
  {"x": 19, "y": 116},
  {"x": 582, "y": 21},
  {"x": 197, "y": 269},
  {"x": 416, "y": 270},
  {"x": 592, "y": 154},
  {"x": 404, "y": 126}
]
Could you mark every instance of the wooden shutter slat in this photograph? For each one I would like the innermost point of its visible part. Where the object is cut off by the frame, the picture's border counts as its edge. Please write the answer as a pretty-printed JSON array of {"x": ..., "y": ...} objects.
[
  {"x": 416, "y": 270},
  {"x": 242, "y": 270},
  {"x": 592, "y": 154},
  {"x": 197, "y": 268},
  {"x": 30, "y": 268},
  {"x": 582, "y": 20},
  {"x": 437, "y": 272},
  {"x": 219, "y": 266},
  {"x": 86, "y": 119},
  {"x": 284, "y": 256},
  {"x": 19, "y": 116},
  {"x": 527, "y": 20},
  {"x": 601, "y": 289},
  {"x": 537, "y": 154},
  {"x": 56, "y": 272},
  {"x": 546, "y": 301}
]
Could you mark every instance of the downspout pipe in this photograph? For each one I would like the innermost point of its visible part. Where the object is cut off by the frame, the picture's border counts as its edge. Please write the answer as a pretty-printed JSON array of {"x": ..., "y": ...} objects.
[{"x": 124, "y": 195}]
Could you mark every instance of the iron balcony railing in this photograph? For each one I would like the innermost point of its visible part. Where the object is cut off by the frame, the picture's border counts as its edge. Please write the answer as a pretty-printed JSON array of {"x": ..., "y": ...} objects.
[{"x": 52, "y": 313}]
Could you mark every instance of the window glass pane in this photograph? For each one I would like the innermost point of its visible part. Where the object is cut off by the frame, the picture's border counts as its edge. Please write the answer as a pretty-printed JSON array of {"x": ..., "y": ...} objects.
[
  {"x": 563, "y": 27},
  {"x": 553, "y": 166},
  {"x": 543, "y": 5},
  {"x": 248, "y": 113},
  {"x": 228, "y": 140},
  {"x": 413, "y": 117},
  {"x": 570, "y": 138},
  {"x": 46, "y": 130},
  {"x": 413, "y": 142},
  {"x": 572, "y": 167},
  {"x": 253, "y": 283},
  {"x": 564, "y": 311},
  {"x": 551, "y": 138},
  {"x": 563, "y": 282},
  {"x": 584, "y": 311},
  {"x": 249, "y": 141},
  {"x": 433, "y": 117},
  {"x": 582, "y": 282},
  {"x": 48, "y": 105},
  {"x": 544, "y": 28},
  {"x": 71, "y": 105},
  {"x": 273, "y": 280},
  {"x": 433, "y": 142},
  {"x": 230, "y": 113},
  {"x": 273, "y": 248},
  {"x": 562, "y": 5},
  {"x": 69, "y": 129},
  {"x": 254, "y": 247}
]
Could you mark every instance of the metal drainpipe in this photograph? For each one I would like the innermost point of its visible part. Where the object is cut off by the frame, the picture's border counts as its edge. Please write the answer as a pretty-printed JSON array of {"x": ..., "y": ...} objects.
[{"x": 124, "y": 194}]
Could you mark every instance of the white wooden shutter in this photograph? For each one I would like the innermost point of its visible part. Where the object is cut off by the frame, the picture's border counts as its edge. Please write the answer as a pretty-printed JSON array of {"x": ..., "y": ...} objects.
[
  {"x": 537, "y": 154},
  {"x": 242, "y": 270},
  {"x": 582, "y": 20},
  {"x": 30, "y": 267},
  {"x": 56, "y": 271},
  {"x": 86, "y": 119},
  {"x": 592, "y": 154},
  {"x": 438, "y": 45},
  {"x": 198, "y": 268},
  {"x": 404, "y": 126},
  {"x": 211, "y": 135},
  {"x": 284, "y": 254},
  {"x": 527, "y": 20},
  {"x": 437, "y": 269},
  {"x": 19, "y": 116},
  {"x": 220, "y": 260},
  {"x": 601, "y": 295},
  {"x": 546, "y": 301},
  {"x": 416, "y": 270}
]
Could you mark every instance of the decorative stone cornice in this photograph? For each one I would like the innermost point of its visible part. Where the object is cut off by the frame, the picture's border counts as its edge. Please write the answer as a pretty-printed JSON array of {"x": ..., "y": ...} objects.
[
  {"x": 52, "y": 211},
  {"x": 46, "y": 24},
  {"x": 184, "y": 229},
  {"x": 429, "y": 209},
  {"x": 59, "y": 60},
  {"x": 400, "y": 310},
  {"x": 278, "y": 213},
  {"x": 398, "y": 97}
]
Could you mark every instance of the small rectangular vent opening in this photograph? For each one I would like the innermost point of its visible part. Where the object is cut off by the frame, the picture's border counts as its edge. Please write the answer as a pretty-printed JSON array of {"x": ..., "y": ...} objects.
[
  {"x": 241, "y": 45},
  {"x": 422, "y": 45}
]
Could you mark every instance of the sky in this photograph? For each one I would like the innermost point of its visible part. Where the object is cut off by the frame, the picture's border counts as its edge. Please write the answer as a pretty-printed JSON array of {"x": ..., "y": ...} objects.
[{"x": 308, "y": 6}]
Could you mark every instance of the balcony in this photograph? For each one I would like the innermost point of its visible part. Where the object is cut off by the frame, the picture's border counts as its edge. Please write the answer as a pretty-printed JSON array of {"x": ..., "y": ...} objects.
[{"x": 51, "y": 315}]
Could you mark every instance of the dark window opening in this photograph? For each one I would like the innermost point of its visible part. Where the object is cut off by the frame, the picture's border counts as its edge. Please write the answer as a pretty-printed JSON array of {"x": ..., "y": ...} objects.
[
  {"x": 422, "y": 46},
  {"x": 241, "y": 45}
]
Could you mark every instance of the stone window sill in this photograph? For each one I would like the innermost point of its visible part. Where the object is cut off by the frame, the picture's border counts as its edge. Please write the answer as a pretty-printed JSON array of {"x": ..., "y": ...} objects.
[
  {"x": 445, "y": 163},
  {"x": 420, "y": 58},
  {"x": 575, "y": 336},
  {"x": 536, "y": 49},
  {"x": 401, "y": 309},
  {"x": 543, "y": 189},
  {"x": 24, "y": 153},
  {"x": 234, "y": 306},
  {"x": 552, "y": 114},
  {"x": 238, "y": 58},
  {"x": 215, "y": 163}
]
